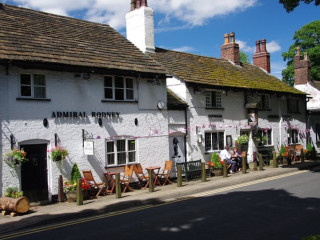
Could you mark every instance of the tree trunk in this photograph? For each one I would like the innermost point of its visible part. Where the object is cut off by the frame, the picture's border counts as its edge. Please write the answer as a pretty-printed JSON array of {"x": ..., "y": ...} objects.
[{"x": 17, "y": 205}]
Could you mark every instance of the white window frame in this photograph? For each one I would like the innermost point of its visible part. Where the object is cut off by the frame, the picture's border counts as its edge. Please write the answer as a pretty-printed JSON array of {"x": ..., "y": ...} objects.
[
  {"x": 125, "y": 88},
  {"x": 209, "y": 99},
  {"x": 218, "y": 133},
  {"x": 33, "y": 86},
  {"x": 116, "y": 153},
  {"x": 293, "y": 136}
]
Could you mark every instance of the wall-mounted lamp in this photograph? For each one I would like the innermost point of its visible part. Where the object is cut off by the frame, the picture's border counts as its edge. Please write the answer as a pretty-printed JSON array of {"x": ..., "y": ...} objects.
[
  {"x": 45, "y": 122},
  {"x": 12, "y": 141},
  {"x": 199, "y": 135},
  {"x": 136, "y": 121},
  {"x": 100, "y": 122}
]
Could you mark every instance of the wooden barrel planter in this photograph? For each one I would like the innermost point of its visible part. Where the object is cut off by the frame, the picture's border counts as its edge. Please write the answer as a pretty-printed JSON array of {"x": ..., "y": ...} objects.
[
  {"x": 217, "y": 172},
  {"x": 14, "y": 205}
]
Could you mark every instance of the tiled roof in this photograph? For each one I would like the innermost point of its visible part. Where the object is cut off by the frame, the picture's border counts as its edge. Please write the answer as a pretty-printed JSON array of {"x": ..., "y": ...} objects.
[
  {"x": 28, "y": 35},
  {"x": 316, "y": 84},
  {"x": 174, "y": 101},
  {"x": 219, "y": 73}
]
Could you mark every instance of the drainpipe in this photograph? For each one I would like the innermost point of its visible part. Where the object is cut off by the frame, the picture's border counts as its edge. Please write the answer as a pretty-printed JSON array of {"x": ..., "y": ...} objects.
[{"x": 186, "y": 135}]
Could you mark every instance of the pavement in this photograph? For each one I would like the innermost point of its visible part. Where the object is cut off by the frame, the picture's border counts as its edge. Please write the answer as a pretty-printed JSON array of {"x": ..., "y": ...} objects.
[{"x": 61, "y": 212}]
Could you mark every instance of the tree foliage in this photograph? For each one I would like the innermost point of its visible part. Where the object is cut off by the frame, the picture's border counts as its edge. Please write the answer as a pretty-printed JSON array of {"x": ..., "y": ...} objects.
[
  {"x": 244, "y": 58},
  {"x": 308, "y": 38},
  {"x": 290, "y": 5}
]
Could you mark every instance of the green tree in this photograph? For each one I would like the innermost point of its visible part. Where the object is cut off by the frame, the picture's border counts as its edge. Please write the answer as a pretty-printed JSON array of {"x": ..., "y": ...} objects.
[
  {"x": 244, "y": 58},
  {"x": 308, "y": 38},
  {"x": 290, "y": 5}
]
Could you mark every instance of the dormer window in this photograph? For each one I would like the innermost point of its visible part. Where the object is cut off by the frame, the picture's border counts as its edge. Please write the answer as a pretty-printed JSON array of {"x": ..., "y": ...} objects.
[
  {"x": 32, "y": 86},
  {"x": 118, "y": 88}
]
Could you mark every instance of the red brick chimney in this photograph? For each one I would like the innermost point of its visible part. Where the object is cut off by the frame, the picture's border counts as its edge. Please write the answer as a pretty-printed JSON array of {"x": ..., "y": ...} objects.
[
  {"x": 302, "y": 68},
  {"x": 262, "y": 58},
  {"x": 230, "y": 49}
]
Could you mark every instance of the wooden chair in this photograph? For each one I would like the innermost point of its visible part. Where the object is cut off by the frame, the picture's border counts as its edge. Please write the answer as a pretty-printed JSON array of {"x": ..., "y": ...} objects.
[
  {"x": 87, "y": 174},
  {"x": 142, "y": 178},
  {"x": 165, "y": 173},
  {"x": 127, "y": 177}
]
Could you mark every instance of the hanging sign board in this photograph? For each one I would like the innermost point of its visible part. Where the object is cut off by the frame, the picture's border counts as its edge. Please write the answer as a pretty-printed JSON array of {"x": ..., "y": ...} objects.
[{"x": 88, "y": 147}]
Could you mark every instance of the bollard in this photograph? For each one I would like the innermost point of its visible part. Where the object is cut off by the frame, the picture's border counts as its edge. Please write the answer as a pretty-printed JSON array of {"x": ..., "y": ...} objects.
[
  {"x": 79, "y": 192},
  {"x": 289, "y": 157},
  {"x": 179, "y": 176},
  {"x": 61, "y": 195},
  {"x": 244, "y": 164},
  {"x": 118, "y": 186},
  {"x": 302, "y": 156},
  {"x": 203, "y": 172},
  {"x": 151, "y": 180},
  {"x": 225, "y": 174},
  {"x": 260, "y": 162},
  {"x": 275, "y": 161}
]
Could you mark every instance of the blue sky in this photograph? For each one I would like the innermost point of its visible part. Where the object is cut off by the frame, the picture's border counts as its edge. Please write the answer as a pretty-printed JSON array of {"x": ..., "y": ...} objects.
[{"x": 198, "y": 26}]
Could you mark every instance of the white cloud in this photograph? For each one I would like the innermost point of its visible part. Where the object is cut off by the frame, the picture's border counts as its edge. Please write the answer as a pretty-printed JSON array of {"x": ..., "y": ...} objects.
[
  {"x": 273, "y": 46},
  {"x": 276, "y": 69},
  {"x": 113, "y": 12},
  {"x": 184, "y": 49},
  {"x": 244, "y": 47}
]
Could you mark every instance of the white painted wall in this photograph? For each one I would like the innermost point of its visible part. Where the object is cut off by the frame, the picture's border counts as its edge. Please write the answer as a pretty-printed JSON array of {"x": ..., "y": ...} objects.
[{"x": 24, "y": 119}]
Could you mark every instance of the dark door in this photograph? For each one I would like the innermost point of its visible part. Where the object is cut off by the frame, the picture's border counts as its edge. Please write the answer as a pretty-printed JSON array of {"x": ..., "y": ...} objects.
[{"x": 34, "y": 178}]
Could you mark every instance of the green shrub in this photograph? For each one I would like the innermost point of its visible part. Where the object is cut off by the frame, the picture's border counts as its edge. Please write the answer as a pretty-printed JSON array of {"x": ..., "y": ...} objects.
[
  {"x": 243, "y": 139},
  {"x": 12, "y": 192},
  {"x": 282, "y": 150},
  {"x": 75, "y": 173}
]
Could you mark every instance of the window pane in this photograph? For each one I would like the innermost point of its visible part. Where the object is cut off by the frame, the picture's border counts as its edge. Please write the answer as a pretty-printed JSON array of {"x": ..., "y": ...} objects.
[
  {"x": 26, "y": 91},
  {"x": 119, "y": 94},
  {"x": 39, "y": 92},
  {"x": 131, "y": 145},
  {"x": 110, "y": 147},
  {"x": 129, "y": 94},
  {"x": 207, "y": 140},
  {"x": 39, "y": 80},
  {"x": 121, "y": 145},
  {"x": 129, "y": 83},
  {"x": 108, "y": 93},
  {"x": 121, "y": 158},
  {"x": 221, "y": 140},
  {"x": 208, "y": 99},
  {"x": 110, "y": 159},
  {"x": 214, "y": 141},
  {"x": 107, "y": 81},
  {"x": 25, "y": 79},
  {"x": 132, "y": 156},
  {"x": 119, "y": 82}
]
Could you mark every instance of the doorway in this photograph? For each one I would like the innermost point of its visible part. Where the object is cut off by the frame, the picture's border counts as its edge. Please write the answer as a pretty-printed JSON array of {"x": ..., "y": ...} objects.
[
  {"x": 34, "y": 177},
  {"x": 176, "y": 150}
]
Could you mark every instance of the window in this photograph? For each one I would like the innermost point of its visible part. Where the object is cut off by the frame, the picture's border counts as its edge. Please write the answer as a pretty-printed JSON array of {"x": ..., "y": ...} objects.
[
  {"x": 266, "y": 137},
  {"x": 213, "y": 99},
  {"x": 292, "y": 136},
  {"x": 121, "y": 152},
  {"x": 118, "y": 88},
  {"x": 214, "y": 141},
  {"x": 293, "y": 105},
  {"x": 264, "y": 102},
  {"x": 32, "y": 86}
]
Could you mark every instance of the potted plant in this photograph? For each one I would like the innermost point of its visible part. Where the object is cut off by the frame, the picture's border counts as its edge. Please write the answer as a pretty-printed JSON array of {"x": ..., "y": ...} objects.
[
  {"x": 243, "y": 141},
  {"x": 70, "y": 189},
  {"x": 263, "y": 140},
  {"x": 308, "y": 151},
  {"x": 215, "y": 165},
  {"x": 15, "y": 157},
  {"x": 58, "y": 154},
  {"x": 13, "y": 192}
]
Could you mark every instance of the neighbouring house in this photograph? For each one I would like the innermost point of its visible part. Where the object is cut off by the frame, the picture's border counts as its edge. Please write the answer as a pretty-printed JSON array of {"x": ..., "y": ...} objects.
[
  {"x": 81, "y": 86},
  {"x": 217, "y": 100},
  {"x": 302, "y": 78}
]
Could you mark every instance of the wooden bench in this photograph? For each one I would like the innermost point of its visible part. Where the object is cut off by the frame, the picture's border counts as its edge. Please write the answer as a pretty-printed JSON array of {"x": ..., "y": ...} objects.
[
  {"x": 267, "y": 153},
  {"x": 190, "y": 170}
]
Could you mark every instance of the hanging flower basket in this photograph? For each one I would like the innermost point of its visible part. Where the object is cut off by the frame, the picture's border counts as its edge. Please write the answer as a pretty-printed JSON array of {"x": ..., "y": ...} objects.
[
  {"x": 58, "y": 153},
  {"x": 15, "y": 157}
]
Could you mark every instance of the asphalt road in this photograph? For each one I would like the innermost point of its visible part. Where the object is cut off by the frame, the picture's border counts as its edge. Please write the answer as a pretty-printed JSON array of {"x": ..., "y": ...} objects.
[{"x": 286, "y": 208}]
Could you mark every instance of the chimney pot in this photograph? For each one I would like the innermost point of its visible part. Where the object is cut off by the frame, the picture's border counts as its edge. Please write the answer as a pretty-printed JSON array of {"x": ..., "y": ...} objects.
[
  {"x": 258, "y": 46},
  {"x": 226, "y": 38},
  {"x": 298, "y": 53},
  {"x": 232, "y": 37},
  {"x": 263, "y": 45},
  {"x": 306, "y": 56},
  {"x": 133, "y": 5}
]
